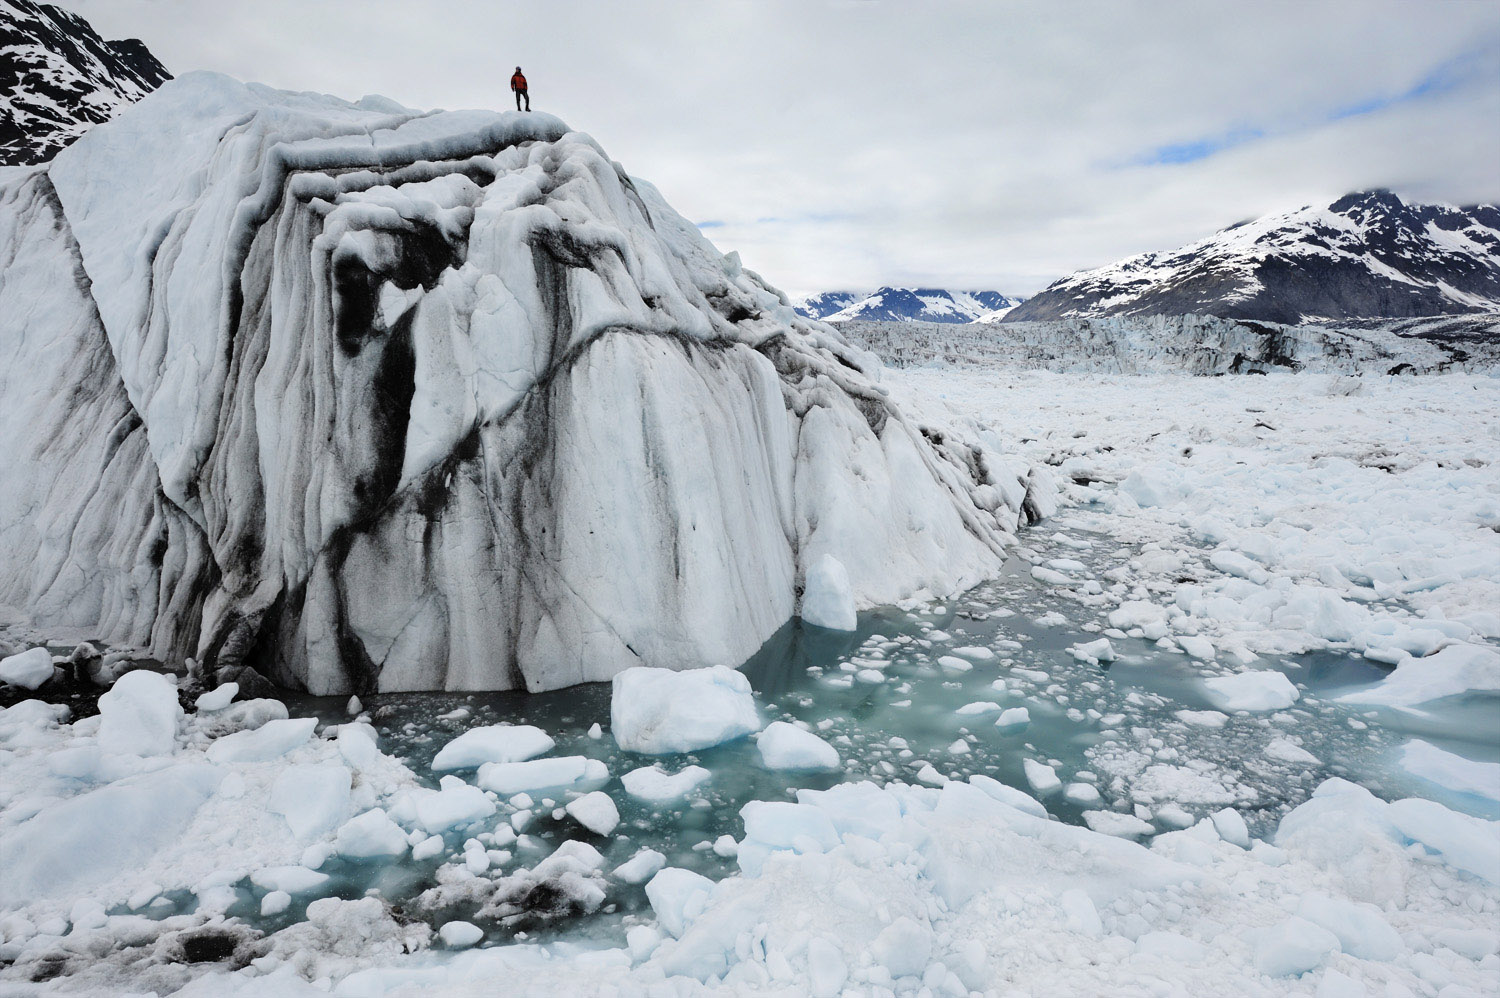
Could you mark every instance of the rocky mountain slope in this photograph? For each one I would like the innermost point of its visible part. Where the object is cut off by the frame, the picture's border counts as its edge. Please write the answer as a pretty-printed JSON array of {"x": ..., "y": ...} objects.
[
  {"x": 372, "y": 399},
  {"x": 1366, "y": 255},
  {"x": 58, "y": 78},
  {"x": 906, "y": 305}
]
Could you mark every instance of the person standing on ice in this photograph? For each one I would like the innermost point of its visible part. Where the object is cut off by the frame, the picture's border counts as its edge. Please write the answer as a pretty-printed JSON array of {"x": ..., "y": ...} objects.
[{"x": 518, "y": 84}]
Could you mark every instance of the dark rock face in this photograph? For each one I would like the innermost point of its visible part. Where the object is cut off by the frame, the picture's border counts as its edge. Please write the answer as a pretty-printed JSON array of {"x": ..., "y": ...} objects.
[
  {"x": 58, "y": 77},
  {"x": 905, "y": 305},
  {"x": 1367, "y": 255}
]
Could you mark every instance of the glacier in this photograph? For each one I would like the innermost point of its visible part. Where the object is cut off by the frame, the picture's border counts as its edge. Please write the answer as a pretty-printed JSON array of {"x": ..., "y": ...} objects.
[{"x": 370, "y": 399}]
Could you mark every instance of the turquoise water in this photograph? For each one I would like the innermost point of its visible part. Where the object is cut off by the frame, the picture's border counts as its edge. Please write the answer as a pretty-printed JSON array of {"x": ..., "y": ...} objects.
[{"x": 1104, "y": 725}]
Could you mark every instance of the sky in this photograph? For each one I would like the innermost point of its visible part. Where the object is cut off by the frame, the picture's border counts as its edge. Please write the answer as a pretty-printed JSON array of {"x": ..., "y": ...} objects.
[{"x": 849, "y": 144}]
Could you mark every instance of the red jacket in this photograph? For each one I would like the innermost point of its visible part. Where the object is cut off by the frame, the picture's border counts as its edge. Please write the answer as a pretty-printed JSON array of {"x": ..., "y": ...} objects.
[{"x": 517, "y": 82}]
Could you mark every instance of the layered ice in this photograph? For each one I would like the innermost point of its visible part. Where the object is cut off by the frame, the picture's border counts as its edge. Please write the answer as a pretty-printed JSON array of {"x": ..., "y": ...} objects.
[{"x": 374, "y": 399}]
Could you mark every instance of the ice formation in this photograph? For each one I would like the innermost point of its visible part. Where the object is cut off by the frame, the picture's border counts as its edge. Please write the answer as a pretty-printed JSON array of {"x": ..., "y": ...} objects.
[{"x": 372, "y": 399}]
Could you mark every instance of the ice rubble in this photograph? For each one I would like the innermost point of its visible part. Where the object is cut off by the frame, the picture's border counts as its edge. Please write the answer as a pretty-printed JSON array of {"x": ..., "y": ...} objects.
[{"x": 369, "y": 398}]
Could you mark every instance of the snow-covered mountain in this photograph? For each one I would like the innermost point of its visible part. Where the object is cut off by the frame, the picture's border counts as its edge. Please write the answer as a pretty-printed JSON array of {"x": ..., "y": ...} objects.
[
  {"x": 907, "y": 305},
  {"x": 368, "y": 398},
  {"x": 58, "y": 78},
  {"x": 1366, "y": 255}
]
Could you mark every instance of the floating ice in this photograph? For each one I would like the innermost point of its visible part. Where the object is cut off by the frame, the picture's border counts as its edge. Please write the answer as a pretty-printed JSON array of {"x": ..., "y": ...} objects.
[
  {"x": 28, "y": 670},
  {"x": 506, "y": 778},
  {"x": 291, "y": 879},
  {"x": 1042, "y": 777},
  {"x": 651, "y": 783},
  {"x": 1257, "y": 691},
  {"x": 786, "y": 746},
  {"x": 372, "y": 835},
  {"x": 595, "y": 811},
  {"x": 1458, "y": 668},
  {"x": 640, "y": 867},
  {"x": 1013, "y": 717},
  {"x": 656, "y": 711},
  {"x": 494, "y": 743},
  {"x": 453, "y": 806},
  {"x": 1465, "y": 776}
]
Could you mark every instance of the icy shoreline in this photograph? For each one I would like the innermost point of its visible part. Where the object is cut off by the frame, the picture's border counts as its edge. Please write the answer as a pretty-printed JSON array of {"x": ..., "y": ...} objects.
[{"x": 1370, "y": 501}]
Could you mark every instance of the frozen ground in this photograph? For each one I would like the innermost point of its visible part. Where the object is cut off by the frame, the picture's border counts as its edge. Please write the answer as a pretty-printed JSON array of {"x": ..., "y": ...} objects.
[{"x": 1158, "y": 756}]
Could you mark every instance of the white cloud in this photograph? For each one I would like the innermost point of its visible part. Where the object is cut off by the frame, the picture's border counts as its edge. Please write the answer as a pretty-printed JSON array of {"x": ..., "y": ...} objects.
[{"x": 958, "y": 143}]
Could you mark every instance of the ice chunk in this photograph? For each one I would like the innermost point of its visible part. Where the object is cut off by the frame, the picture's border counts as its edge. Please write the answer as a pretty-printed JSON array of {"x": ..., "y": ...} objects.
[
  {"x": 1458, "y": 668},
  {"x": 1125, "y": 826},
  {"x": 1231, "y": 827},
  {"x": 677, "y": 896},
  {"x": 65, "y": 849},
  {"x": 1094, "y": 651},
  {"x": 313, "y": 799},
  {"x": 271, "y": 740},
  {"x": 507, "y": 778},
  {"x": 1079, "y": 913},
  {"x": 460, "y": 935},
  {"x": 1361, "y": 930},
  {"x": 826, "y": 969},
  {"x": 1006, "y": 794},
  {"x": 1196, "y": 646},
  {"x": 372, "y": 835},
  {"x": 1265, "y": 690},
  {"x": 786, "y": 746},
  {"x": 495, "y": 743},
  {"x": 1293, "y": 947},
  {"x": 651, "y": 783},
  {"x": 855, "y": 808},
  {"x": 29, "y": 670},
  {"x": 1155, "y": 485},
  {"x": 1013, "y": 717},
  {"x": 903, "y": 948},
  {"x": 275, "y": 903},
  {"x": 291, "y": 879},
  {"x": 979, "y": 707},
  {"x": 1082, "y": 794},
  {"x": 1288, "y": 751},
  {"x": 595, "y": 811},
  {"x": 456, "y": 804},
  {"x": 828, "y": 599},
  {"x": 955, "y": 664},
  {"x": 139, "y": 715},
  {"x": 656, "y": 711},
  {"x": 640, "y": 867},
  {"x": 218, "y": 698},
  {"x": 1465, "y": 776},
  {"x": 357, "y": 745},
  {"x": 1042, "y": 777},
  {"x": 1463, "y": 841}
]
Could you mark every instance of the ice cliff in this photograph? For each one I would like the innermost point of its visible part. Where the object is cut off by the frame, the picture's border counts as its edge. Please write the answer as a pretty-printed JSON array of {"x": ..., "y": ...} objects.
[{"x": 367, "y": 398}]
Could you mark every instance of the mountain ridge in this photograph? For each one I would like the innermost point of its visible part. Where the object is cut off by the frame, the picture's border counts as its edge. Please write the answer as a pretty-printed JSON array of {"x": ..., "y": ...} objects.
[
  {"x": 58, "y": 78},
  {"x": 898, "y": 304},
  {"x": 1366, "y": 255}
]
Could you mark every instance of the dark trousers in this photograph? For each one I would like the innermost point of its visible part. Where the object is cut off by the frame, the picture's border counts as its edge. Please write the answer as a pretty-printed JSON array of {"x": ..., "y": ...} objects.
[{"x": 520, "y": 94}]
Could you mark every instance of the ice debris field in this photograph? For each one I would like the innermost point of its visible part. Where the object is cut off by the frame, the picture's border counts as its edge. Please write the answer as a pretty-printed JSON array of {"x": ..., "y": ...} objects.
[{"x": 1224, "y": 725}]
